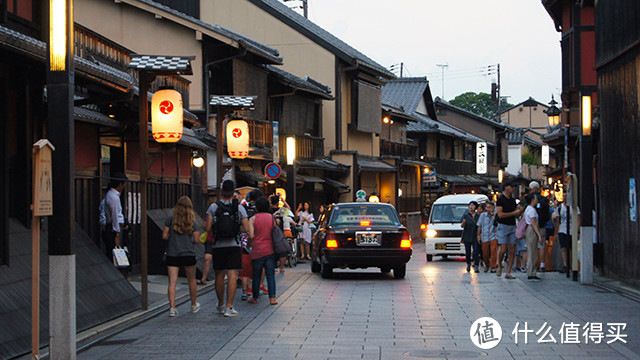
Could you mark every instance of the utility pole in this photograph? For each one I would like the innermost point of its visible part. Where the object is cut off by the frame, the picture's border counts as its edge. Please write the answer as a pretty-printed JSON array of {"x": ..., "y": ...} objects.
[
  {"x": 305, "y": 7},
  {"x": 443, "y": 67}
]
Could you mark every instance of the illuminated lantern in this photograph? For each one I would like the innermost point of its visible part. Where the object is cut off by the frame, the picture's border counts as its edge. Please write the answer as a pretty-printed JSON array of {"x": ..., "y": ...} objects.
[
  {"x": 238, "y": 139},
  {"x": 166, "y": 116}
]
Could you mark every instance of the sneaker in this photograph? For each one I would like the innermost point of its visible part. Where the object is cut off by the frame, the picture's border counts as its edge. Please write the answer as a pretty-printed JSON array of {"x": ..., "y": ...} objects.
[
  {"x": 263, "y": 290},
  {"x": 244, "y": 296},
  {"x": 475, "y": 268},
  {"x": 468, "y": 268},
  {"x": 229, "y": 312},
  {"x": 493, "y": 270},
  {"x": 221, "y": 308},
  {"x": 249, "y": 292},
  {"x": 252, "y": 300},
  {"x": 173, "y": 312},
  {"x": 536, "y": 278},
  {"x": 195, "y": 308},
  {"x": 273, "y": 301}
]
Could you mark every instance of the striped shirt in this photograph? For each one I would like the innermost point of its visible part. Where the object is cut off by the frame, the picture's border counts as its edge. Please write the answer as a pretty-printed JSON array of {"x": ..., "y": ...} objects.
[{"x": 486, "y": 224}]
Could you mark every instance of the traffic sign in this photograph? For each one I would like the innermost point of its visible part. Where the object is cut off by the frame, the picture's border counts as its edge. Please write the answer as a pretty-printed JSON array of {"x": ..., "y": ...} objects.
[{"x": 272, "y": 170}]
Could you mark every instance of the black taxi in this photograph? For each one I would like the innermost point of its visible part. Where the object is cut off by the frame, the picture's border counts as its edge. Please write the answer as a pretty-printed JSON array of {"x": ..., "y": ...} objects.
[{"x": 360, "y": 235}]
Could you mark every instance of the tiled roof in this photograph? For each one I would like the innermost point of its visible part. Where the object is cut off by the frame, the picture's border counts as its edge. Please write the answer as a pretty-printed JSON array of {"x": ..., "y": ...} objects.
[
  {"x": 440, "y": 102},
  {"x": 374, "y": 164},
  {"x": 529, "y": 102},
  {"x": 404, "y": 92},
  {"x": 322, "y": 164},
  {"x": 320, "y": 35},
  {"x": 253, "y": 46},
  {"x": 233, "y": 101},
  {"x": 307, "y": 84},
  {"x": 87, "y": 115}
]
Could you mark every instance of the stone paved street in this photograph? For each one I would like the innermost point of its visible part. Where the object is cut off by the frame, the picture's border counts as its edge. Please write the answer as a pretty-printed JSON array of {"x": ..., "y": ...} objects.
[{"x": 367, "y": 315}]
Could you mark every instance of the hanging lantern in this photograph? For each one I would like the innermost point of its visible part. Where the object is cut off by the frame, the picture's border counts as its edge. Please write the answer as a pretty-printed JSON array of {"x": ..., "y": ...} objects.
[
  {"x": 166, "y": 116},
  {"x": 238, "y": 139}
]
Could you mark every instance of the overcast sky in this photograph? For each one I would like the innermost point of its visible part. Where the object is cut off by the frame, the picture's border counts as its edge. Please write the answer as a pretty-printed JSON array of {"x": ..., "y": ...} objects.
[{"x": 468, "y": 35}]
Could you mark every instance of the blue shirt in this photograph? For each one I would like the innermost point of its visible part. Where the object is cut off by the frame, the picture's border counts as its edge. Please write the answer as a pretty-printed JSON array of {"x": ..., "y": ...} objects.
[{"x": 485, "y": 223}]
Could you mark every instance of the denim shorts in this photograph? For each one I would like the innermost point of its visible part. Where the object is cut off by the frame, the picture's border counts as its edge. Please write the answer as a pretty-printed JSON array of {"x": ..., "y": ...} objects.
[
  {"x": 521, "y": 245},
  {"x": 506, "y": 234}
]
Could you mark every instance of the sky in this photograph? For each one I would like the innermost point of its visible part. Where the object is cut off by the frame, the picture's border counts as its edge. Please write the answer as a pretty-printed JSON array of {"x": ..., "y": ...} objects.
[{"x": 466, "y": 35}]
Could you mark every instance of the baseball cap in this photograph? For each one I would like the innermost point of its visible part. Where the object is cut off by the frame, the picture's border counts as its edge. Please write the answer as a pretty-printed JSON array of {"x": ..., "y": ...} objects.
[
  {"x": 534, "y": 185},
  {"x": 228, "y": 186}
]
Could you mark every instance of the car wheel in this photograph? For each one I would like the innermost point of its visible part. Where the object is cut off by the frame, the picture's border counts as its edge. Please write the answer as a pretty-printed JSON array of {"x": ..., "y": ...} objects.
[
  {"x": 444, "y": 257},
  {"x": 315, "y": 267},
  {"x": 429, "y": 257},
  {"x": 400, "y": 271},
  {"x": 326, "y": 270},
  {"x": 385, "y": 269}
]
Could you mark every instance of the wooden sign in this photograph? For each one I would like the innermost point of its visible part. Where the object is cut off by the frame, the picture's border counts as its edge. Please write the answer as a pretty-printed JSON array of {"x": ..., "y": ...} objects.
[{"x": 42, "y": 179}]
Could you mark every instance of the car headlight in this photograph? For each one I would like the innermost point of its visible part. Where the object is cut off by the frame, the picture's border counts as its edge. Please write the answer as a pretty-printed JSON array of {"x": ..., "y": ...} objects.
[{"x": 431, "y": 233}]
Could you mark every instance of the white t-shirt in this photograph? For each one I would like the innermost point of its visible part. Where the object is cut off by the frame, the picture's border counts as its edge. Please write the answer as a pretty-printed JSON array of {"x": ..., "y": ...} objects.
[
  {"x": 562, "y": 228},
  {"x": 287, "y": 222},
  {"x": 529, "y": 214}
]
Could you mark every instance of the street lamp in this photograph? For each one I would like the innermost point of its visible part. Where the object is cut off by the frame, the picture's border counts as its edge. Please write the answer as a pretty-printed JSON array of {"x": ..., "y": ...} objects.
[
  {"x": 553, "y": 113},
  {"x": 291, "y": 150},
  {"x": 500, "y": 176},
  {"x": 586, "y": 115},
  {"x": 198, "y": 160},
  {"x": 291, "y": 171}
]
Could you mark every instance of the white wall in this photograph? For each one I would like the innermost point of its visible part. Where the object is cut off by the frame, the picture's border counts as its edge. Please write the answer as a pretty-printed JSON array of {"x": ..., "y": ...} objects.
[{"x": 515, "y": 159}]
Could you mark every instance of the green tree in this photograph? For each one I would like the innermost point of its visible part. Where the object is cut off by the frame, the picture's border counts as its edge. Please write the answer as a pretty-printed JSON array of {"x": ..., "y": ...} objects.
[
  {"x": 530, "y": 159},
  {"x": 478, "y": 103}
]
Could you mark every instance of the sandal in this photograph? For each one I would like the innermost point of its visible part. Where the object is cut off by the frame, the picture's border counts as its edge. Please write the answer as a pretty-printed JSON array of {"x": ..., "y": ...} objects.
[
  {"x": 201, "y": 282},
  {"x": 273, "y": 301},
  {"x": 308, "y": 257}
]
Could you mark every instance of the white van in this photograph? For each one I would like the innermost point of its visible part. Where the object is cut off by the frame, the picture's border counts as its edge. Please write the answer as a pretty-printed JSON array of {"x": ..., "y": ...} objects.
[{"x": 443, "y": 233}]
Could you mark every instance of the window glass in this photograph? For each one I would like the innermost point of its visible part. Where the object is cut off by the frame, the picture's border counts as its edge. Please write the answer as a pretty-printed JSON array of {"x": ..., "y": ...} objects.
[
  {"x": 448, "y": 213},
  {"x": 376, "y": 215}
]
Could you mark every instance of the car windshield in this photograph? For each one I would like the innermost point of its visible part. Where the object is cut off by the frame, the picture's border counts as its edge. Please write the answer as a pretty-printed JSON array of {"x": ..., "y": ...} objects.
[
  {"x": 364, "y": 215},
  {"x": 448, "y": 213}
]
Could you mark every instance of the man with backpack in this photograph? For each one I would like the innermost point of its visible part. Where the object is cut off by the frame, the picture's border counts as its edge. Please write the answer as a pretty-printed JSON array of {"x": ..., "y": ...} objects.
[{"x": 224, "y": 219}]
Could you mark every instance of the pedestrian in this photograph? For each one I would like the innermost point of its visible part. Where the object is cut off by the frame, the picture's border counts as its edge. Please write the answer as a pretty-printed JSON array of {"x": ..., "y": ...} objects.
[
  {"x": 470, "y": 235},
  {"x": 246, "y": 274},
  {"x": 563, "y": 217},
  {"x": 114, "y": 219},
  {"x": 543, "y": 211},
  {"x": 321, "y": 209},
  {"x": 262, "y": 252},
  {"x": 488, "y": 237},
  {"x": 238, "y": 196},
  {"x": 506, "y": 231},
  {"x": 549, "y": 230},
  {"x": 225, "y": 218},
  {"x": 274, "y": 202},
  {"x": 305, "y": 218},
  {"x": 480, "y": 210},
  {"x": 521, "y": 244},
  {"x": 180, "y": 230},
  {"x": 534, "y": 236}
]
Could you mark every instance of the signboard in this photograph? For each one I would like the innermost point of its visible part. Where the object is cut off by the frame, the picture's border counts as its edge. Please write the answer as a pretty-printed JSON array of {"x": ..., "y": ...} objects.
[
  {"x": 633, "y": 203},
  {"x": 361, "y": 195},
  {"x": 429, "y": 176},
  {"x": 545, "y": 154},
  {"x": 481, "y": 157},
  {"x": 276, "y": 141},
  {"x": 42, "y": 182},
  {"x": 272, "y": 170}
]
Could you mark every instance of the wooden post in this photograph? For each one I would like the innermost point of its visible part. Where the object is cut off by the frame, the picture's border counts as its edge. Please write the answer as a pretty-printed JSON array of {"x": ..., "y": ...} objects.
[
  {"x": 145, "y": 81},
  {"x": 42, "y": 206}
]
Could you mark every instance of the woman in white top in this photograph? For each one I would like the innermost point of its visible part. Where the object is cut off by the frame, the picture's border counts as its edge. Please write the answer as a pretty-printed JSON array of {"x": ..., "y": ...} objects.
[
  {"x": 305, "y": 218},
  {"x": 533, "y": 236}
]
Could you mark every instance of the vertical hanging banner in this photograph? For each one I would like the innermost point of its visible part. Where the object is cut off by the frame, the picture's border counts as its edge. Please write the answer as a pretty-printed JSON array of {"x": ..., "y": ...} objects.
[
  {"x": 276, "y": 142},
  {"x": 545, "y": 154},
  {"x": 481, "y": 157},
  {"x": 42, "y": 189}
]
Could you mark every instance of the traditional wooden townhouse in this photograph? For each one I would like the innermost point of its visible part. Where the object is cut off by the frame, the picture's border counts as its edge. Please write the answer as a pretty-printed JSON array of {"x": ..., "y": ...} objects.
[
  {"x": 447, "y": 149},
  {"x": 351, "y": 124}
]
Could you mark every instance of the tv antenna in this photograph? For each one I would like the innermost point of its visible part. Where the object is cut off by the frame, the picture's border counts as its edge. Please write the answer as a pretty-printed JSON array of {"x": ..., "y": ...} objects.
[{"x": 443, "y": 67}]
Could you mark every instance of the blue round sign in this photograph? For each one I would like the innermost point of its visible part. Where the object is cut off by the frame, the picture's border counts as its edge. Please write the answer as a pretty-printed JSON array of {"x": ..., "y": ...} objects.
[{"x": 272, "y": 170}]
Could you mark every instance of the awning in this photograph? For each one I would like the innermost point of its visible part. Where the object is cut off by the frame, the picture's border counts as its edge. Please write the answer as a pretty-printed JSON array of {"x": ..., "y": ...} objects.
[
  {"x": 252, "y": 177},
  {"x": 372, "y": 164},
  {"x": 322, "y": 164},
  {"x": 415, "y": 162},
  {"x": 462, "y": 180},
  {"x": 94, "y": 117},
  {"x": 336, "y": 184},
  {"x": 190, "y": 139},
  {"x": 310, "y": 179}
]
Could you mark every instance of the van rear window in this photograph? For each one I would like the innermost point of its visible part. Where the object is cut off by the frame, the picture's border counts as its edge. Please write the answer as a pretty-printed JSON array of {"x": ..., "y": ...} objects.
[{"x": 448, "y": 213}]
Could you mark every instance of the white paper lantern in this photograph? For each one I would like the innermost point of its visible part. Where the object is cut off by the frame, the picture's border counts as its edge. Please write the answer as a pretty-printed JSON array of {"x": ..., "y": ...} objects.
[
  {"x": 238, "y": 139},
  {"x": 166, "y": 116}
]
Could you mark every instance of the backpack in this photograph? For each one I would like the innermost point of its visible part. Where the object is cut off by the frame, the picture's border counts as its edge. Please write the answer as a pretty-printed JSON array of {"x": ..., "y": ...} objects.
[
  {"x": 227, "y": 221},
  {"x": 543, "y": 210},
  {"x": 251, "y": 209},
  {"x": 521, "y": 229}
]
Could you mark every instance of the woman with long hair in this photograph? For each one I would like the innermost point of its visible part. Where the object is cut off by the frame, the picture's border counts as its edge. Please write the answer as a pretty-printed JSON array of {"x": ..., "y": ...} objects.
[
  {"x": 305, "y": 218},
  {"x": 180, "y": 231}
]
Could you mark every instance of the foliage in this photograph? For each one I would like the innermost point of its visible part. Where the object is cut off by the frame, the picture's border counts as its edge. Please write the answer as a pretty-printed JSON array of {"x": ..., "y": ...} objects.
[
  {"x": 530, "y": 159},
  {"x": 478, "y": 103}
]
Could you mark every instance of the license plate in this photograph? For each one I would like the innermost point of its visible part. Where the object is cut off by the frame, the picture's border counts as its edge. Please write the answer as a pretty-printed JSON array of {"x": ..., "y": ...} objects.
[
  {"x": 441, "y": 246},
  {"x": 368, "y": 239}
]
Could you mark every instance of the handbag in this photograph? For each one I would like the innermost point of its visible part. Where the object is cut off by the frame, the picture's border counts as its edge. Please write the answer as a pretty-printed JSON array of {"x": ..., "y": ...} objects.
[
  {"x": 120, "y": 259},
  {"x": 280, "y": 243},
  {"x": 521, "y": 229}
]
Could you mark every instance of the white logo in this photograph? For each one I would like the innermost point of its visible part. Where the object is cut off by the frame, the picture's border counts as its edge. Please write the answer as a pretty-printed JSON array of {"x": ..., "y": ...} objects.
[{"x": 485, "y": 333}]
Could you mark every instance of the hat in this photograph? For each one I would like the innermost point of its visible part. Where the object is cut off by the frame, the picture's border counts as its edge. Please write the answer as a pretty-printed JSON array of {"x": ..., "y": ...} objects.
[
  {"x": 534, "y": 185},
  {"x": 512, "y": 182},
  {"x": 120, "y": 176},
  {"x": 228, "y": 186}
]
